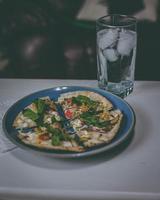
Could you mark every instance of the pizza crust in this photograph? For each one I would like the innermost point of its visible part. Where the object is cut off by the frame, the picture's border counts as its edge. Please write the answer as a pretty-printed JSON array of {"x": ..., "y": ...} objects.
[{"x": 49, "y": 146}]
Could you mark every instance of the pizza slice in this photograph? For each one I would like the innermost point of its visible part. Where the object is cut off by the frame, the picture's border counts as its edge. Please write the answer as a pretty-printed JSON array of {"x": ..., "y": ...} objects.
[
  {"x": 40, "y": 125},
  {"x": 92, "y": 116},
  {"x": 76, "y": 103},
  {"x": 41, "y": 110},
  {"x": 50, "y": 138},
  {"x": 100, "y": 128}
]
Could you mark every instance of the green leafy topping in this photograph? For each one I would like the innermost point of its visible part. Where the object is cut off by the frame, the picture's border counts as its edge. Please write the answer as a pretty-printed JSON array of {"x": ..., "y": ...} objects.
[
  {"x": 53, "y": 119},
  {"x": 49, "y": 128},
  {"x": 80, "y": 99},
  {"x": 57, "y": 135},
  {"x": 39, "y": 116},
  {"x": 58, "y": 119},
  {"x": 93, "y": 120},
  {"x": 30, "y": 114},
  {"x": 39, "y": 121},
  {"x": 41, "y": 106},
  {"x": 55, "y": 140}
]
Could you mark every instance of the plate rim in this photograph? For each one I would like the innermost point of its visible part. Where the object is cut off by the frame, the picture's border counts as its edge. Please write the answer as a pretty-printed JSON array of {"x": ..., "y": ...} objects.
[{"x": 50, "y": 152}]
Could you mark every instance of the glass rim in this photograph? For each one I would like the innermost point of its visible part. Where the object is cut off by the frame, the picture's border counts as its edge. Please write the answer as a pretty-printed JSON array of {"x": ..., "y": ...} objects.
[{"x": 102, "y": 23}]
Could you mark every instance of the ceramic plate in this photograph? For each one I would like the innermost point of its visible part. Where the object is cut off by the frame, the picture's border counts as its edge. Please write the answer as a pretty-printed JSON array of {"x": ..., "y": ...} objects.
[{"x": 126, "y": 128}]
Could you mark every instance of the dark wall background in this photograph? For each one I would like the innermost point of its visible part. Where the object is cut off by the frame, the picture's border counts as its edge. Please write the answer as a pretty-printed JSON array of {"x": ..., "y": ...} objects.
[{"x": 44, "y": 39}]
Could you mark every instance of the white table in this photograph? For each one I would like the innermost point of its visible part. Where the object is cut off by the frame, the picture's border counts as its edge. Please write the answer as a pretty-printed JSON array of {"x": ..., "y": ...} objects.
[{"x": 132, "y": 174}]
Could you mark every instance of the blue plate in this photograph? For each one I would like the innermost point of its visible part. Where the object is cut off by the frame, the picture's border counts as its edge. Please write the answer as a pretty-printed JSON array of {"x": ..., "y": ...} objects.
[{"x": 126, "y": 128}]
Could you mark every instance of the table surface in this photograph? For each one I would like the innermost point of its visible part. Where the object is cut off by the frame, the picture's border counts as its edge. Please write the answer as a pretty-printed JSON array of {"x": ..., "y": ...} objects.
[{"x": 133, "y": 173}]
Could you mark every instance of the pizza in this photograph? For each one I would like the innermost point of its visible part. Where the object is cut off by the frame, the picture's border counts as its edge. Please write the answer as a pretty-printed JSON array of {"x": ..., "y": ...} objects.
[{"x": 93, "y": 118}]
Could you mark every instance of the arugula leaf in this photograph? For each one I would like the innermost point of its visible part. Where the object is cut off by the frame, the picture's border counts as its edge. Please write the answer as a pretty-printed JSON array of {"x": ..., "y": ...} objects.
[
  {"x": 39, "y": 121},
  {"x": 94, "y": 120},
  {"x": 93, "y": 105},
  {"x": 80, "y": 99},
  {"x": 55, "y": 140},
  {"x": 53, "y": 119},
  {"x": 30, "y": 114},
  {"x": 57, "y": 135},
  {"x": 41, "y": 106},
  {"x": 54, "y": 131},
  {"x": 50, "y": 129},
  {"x": 90, "y": 120},
  {"x": 37, "y": 117}
]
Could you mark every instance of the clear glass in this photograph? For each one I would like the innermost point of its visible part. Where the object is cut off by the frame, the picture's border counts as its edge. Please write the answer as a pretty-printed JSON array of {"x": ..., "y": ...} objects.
[{"x": 116, "y": 53}]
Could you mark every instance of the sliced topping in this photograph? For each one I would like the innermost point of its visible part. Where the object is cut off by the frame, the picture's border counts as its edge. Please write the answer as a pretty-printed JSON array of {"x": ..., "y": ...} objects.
[
  {"x": 69, "y": 114},
  {"x": 44, "y": 136},
  {"x": 69, "y": 101}
]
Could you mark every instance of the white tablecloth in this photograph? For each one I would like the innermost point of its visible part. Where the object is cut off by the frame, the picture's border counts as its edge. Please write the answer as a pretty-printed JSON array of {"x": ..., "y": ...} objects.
[{"x": 133, "y": 173}]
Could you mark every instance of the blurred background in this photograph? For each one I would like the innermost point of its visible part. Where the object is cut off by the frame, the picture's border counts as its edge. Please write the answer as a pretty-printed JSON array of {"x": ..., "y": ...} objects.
[{"x": 57, "y": 38}]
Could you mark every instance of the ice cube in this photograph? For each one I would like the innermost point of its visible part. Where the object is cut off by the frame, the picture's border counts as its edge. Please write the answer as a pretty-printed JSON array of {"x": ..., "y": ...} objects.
[
  {"x": 110, "y": 54},
  {"x": 107, "y": 38},
  {"x": 127, "y": 41},
  {"x": 102, "y": 61},
  {"x": 101, "y": 33}
]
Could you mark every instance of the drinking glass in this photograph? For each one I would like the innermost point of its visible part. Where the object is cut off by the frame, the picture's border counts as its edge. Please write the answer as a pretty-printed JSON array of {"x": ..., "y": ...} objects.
[{"x": 116, "y": 53}]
